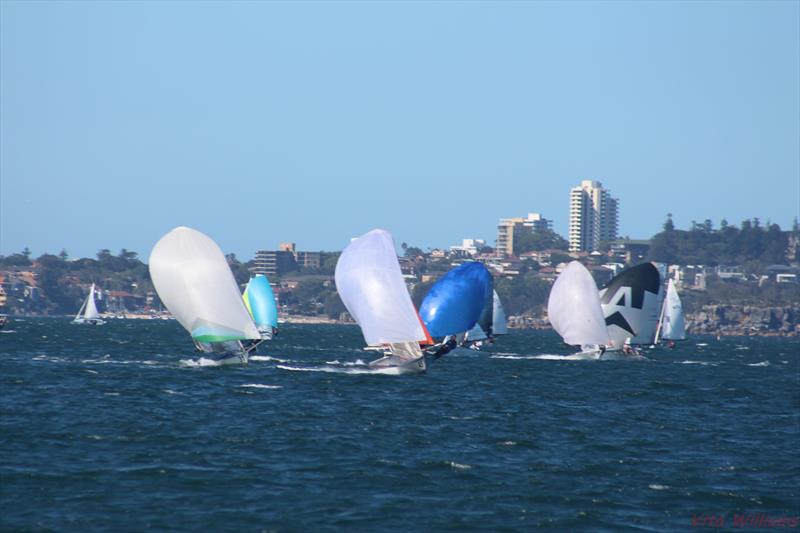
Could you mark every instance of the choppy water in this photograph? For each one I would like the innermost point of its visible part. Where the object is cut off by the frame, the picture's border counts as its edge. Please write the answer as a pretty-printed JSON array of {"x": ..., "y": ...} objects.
[{"x": 117, "y": 427}]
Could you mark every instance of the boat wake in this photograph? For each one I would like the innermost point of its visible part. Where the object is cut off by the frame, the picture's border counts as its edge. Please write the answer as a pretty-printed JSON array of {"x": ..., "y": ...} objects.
[
  {"x": 344, "y": 368},
  {"x": 549, "y": 357},
  {"x": 192, "y": 363},
  {"x": 267, "y": 358},
  {"x": 608, "y": 356}
]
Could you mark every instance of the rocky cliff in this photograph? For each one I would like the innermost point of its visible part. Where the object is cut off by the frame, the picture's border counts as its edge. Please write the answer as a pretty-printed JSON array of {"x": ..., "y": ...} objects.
[{"x": 744, "y": 320}]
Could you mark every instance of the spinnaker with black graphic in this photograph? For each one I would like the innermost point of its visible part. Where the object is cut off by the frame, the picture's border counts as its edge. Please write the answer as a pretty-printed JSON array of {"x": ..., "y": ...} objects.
[{"x": 631, "y": 304}]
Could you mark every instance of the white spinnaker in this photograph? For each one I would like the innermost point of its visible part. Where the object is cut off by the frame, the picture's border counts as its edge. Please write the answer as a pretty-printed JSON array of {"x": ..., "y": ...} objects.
[
  {"x": 371, "y": 286},
  {"x": 499, "y": 326},
  {"x": 194, "y": 281},
  {"x": 91, "y": 308},
  {"x": 574, "y": 307},
  {"x": 673, "y": 327}
]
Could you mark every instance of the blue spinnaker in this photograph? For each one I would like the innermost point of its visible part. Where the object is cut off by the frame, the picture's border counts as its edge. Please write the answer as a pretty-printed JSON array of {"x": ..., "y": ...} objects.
[
  {"x": 455, "y": 302},
  {"x": 260, "y": 300}
]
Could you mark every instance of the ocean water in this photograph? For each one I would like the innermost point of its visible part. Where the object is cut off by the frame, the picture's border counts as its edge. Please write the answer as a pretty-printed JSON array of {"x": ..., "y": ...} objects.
[{"x": 121, "y": 427}]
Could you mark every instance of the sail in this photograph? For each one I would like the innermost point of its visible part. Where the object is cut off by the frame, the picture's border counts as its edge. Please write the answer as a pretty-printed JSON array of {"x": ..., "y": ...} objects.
[
  {"x": 484, "y": 327},
  {"x": 195, "y": 283},
  {"x": 475, "y": 334},
  {"x": 499, "y": 326},
  {"x": 673, "y": 327},
  {"x": 631, "y": 305},
  {"x": 574, "y": 307},
  {"x": 91, "y": 308},
  {"x": 371, "y": 286},
  {"x": 260, "y": 302},
  {"x": 455, "y": 302}
]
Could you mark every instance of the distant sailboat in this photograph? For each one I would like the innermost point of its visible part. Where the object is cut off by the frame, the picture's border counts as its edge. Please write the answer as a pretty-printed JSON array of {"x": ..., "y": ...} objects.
[
  {"x": 491, "y": 324},
  {"x": 371, "y": 286},
  {"x": 631, "y": 302},
  {"x": 671, "y": 325},
  {"x": 260, "y": 302},
  {"x": 195, "y": 283},
  {"x": 574, "y": 310},
  {"x": 88, "y": 312},
  {"x": 499, "y": 323}
]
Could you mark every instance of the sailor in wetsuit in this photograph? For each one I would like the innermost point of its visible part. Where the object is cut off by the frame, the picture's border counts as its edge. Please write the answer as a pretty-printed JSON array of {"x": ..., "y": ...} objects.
[{"x": 448, "y": 344}]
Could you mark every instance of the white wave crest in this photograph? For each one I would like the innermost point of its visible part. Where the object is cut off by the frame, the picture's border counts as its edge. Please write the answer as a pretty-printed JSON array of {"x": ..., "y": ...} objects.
[
  {"x": 762, "y": 363},
  {"x": 200, "y": 362},
  {"x": 261, "y": 386},
  {"x": 267, "y": 358},
  {"x": 357, "y": 362}
]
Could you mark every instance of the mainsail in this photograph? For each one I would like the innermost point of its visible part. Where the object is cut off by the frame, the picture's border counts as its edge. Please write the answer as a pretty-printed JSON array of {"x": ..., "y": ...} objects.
[
  {"x": 91, "y": 307},
  {"x": 631, "y": 305},
  {"x": 88, "y": 313},
  {"x": 499, "y": 326},
  {"x": 672, "y": 326},
  {"x": 195, "y": 283},
  {"x": 260, "y": 301},
  {"x": 457, "y": 301},
  {"x": 371, "y": 286},
  {"x": 574, "y": 307}
]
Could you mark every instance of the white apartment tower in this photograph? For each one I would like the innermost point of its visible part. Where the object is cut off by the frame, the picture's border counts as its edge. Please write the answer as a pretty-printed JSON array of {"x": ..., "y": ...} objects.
[{"x": 593, "y": 216}]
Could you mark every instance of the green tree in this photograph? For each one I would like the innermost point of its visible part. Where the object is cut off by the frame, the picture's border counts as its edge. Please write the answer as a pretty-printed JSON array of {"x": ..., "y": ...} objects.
[
  {"x": 669, "y": 225},
  {"x": 334, "y": 306},
  {"x": 413, "y": 251},
  {"x": 544, "y": 239}
]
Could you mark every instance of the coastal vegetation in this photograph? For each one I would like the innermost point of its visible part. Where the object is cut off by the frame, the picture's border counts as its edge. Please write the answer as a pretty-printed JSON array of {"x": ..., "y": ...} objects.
[
  {"x": 752, "y": 245},
  {"x": 56, "y": 284}
]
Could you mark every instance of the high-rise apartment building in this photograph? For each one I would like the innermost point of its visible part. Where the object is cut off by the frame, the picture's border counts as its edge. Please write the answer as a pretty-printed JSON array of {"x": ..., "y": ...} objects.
[
  {"x": 508, "y": 226},
  {"x": 593, "y": 216}
]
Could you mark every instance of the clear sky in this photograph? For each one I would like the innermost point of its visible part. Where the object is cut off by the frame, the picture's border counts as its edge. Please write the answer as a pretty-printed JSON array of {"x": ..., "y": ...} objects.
[{"x": 262, "y": 122}]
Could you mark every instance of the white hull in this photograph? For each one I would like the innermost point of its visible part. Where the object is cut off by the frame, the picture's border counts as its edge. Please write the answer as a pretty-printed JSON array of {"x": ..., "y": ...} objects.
[
  {"x": 89, "y": 321},
  {"x": 232, "y": 359},
  {"x": 393, "y": 365}
]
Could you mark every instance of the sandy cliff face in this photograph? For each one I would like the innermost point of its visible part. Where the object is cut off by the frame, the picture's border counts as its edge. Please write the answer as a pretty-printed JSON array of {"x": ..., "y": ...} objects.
[{"x": 745, "y": 320}]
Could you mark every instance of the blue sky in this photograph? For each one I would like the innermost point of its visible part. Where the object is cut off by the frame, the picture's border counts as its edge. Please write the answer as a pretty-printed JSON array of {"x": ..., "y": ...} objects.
[{"x": 314, "y": 122}]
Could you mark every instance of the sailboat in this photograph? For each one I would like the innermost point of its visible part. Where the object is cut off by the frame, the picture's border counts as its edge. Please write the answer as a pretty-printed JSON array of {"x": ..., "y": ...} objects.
[
  {"x": 193, "y": 280},
  {"x": 88, "y": 314},
  {"x": 631, "y": 302},
  {"x": 499, "y": 323},
  {"x": 455, "y": 304},
  {"x": 671, "y": 324},
  {"x": 260, "y": 302},
  {"x": 370, "y": 283},
  {"x": 491, "y": 324},
  {"x": 575, "y": 313}
]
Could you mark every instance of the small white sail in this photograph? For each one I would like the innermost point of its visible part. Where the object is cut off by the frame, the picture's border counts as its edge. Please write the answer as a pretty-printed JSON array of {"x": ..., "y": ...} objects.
[
  {"x": 673, "y": 326},
  {"x": 195, "y": 283},
  {"x": 499, "y": 326},
  {"x": 91, "y": 307},
  {"x": 371, "y": 286},
  {"x": 574, "y": 308},
  {"x": 475, "y": 334}
]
